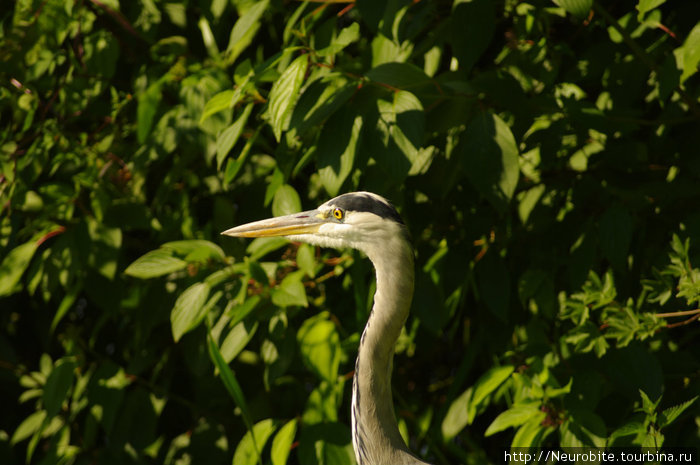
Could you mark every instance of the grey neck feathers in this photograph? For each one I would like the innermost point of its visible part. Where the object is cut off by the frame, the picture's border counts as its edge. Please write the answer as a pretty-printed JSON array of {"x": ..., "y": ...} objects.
[{"x": 376, "y": 437}]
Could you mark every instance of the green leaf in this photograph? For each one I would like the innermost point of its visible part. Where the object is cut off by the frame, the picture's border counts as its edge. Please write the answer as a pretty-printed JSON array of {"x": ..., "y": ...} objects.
[
  {"x": 234, "y": 166},
  {"x": 645, "y": 6},
  {"x": 146, "y": 110},
  {"x": 239, "y": 312},
  {"x": 13, "y": 266},
  {"x": 65, "y": 305},
  {"x": 688, "y": 54},
  {"x": 578, "y": 8},
  {"x": 262, "y": 246},
  {"x": 208, "y": 38},
  {"x": 583, "y": 428},
  {"x": 232, "y": 386},
  {"x": 306, "y": 260},
  {"x": 155, "y": 263},
  {"x": 284, "y": 94},
  {"x": 472, "y": 24},
  {"x": 386, "y": 50},
  {"x": 189, "y": 309},
  {"x": 529, "y": 433},
  {"x": 457, "y": 417},
  {"x": 104, "y": 248},
  {"x": 57, "y": 385},
  {"x": 236, "y": 340},
  {"x": 337, "y": 148},
  {"x": 400, "y": 75},
  {"x": 250, "y": 448},
  {"x": 628, "y": 429},
  {"x": 670, "y": 414},
  {"x": 347, "y": 36},
  {"x": 321, "y": 99},
  {"x": 395, "y": 139},
  {"x": 29, "y": 426},
  {"x": 219, "y": 102},
  {"x": 244, "y": 30},
  {"x": 229, "y": 136},
  {"x": 515, "y": 416},
  {"x": 290, "y": 291},
  {"x": 282, "y": 443},
  {"x": 486, "y": 384},
  {"x": 319, "y": 345},
  {"x": 326, "y": 444},
  {"x": 286, "y": 201},
  {"x": 402, "y": 123},
  {"x": 196, "y": 250},
  {"x": 489, "y": 157}
]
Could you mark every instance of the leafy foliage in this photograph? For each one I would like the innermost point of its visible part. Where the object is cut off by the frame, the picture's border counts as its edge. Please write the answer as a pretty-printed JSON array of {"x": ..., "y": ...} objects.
[{"x": 543, "y": 154}]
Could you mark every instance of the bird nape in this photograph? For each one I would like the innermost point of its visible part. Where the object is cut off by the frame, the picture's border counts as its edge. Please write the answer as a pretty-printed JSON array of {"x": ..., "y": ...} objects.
[{"x": 369, "y": 223}]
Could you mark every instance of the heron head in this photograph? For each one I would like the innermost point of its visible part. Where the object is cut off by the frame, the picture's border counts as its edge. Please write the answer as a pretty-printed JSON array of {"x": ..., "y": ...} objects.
[{"x": 358, "y": 220}]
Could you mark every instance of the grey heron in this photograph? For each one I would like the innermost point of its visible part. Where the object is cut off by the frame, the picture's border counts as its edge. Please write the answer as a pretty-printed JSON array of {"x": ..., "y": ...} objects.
[{"x": 369, "y": 223}]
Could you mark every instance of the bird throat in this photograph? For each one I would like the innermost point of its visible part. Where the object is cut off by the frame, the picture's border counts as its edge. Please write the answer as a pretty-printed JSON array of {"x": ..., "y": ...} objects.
[{"x": 375, "y": 434}]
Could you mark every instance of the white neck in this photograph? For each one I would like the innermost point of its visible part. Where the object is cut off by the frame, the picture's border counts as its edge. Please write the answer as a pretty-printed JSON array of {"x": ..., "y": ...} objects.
[{"x": 375, "y": 434}]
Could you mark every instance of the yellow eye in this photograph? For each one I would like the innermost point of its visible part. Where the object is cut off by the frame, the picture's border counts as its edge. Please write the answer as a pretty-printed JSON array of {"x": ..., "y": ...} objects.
[{"x": 338, "y": 213}]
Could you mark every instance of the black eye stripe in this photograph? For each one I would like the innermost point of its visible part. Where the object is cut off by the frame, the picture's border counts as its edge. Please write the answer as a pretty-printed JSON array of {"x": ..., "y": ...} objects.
[{"x": 366, "y": 203}]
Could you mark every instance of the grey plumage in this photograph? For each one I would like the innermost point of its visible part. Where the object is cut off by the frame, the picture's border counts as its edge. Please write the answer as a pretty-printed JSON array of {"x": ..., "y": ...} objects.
[{"x": 369, "y": 223}]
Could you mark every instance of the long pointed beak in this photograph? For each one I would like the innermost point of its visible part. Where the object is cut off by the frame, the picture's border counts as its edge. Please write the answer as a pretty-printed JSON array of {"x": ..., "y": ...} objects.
[{"x": 289, "y": 225}]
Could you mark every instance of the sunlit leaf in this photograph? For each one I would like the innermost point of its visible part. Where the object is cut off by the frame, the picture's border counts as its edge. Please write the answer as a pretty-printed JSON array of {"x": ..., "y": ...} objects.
[
  {"x": 196, "y": 249},
  {"x": 306, "y": 260},
  {"x": 486, "y": 384},
  {"x": 514, "y": 416},
  {"x": 578, "y": 8},
  {"x": 13, "y": 266},
  {"x": 319, "y": 345},
  {"x": 282, "y": 443},
  {"x": 670, "y": 414},
  {"x": 645, "y": 6},
  {"x": 250, "y": 448},
  {"x": 29, "y": 426},
  {"x": 688, "y": 54},
  {"x": 290, "y": 291},
  {"x": 236, "y": 340},
  {"x": 286, "y": 201},
  {"x": 245, "y": 29},
  {"x": 346, "y": 36},
  {"x": 284, "y": 93},
  {"x": 229, "y": 136},
  {"x": 531, "y": 432},
  {"x": 155, "y": 263},
  {"x": 457, "y": 417},
  {"x": 221, "y": 101},
  {"x": 188, "y": 311}
]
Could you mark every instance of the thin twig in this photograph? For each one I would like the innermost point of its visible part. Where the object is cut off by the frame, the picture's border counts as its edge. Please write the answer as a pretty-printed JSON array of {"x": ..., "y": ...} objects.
[
  {"x": 681, "y": 313},
  {"x": 684, "y": 322}
]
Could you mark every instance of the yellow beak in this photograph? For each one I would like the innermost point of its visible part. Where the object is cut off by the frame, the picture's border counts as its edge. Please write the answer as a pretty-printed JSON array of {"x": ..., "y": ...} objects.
[{"x": 289, "y": 225}]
